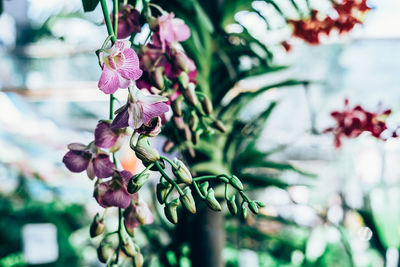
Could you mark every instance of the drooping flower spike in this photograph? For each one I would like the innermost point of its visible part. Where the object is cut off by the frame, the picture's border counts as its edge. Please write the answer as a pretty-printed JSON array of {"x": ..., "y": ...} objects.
[
  {"x": 96, "y": 162},
  {"x": 114, "y": 193},
  {"x": 120, "y": 66},
  {"x": 139, "y": 109}
]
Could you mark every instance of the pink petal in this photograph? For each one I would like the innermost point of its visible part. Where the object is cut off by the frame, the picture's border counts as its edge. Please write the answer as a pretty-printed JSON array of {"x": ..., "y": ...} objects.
[
  {"x": 76, "y": 161},
  {"x": 153, "y": 110},
  {"x": 90, "y": 170},
  {"x": 104, "y": 136},
  {"x": 77, "y": 147},
  {"x": 181, "y": 30},
  {"x": 130, "y": 68},
  {"x": 103, "y": 167},
  {"x": 109, "y": 80}
]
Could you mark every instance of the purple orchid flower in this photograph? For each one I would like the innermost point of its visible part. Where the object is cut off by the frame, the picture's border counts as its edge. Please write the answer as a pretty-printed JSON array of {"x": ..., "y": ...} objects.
[
  {"x": 120, "y": 66},
  {"x": 128, "y": 21},
  {"x": 114, "y": 193},
  {"x": 106, "y": 137},
  {"x": 151, "y": 129},
  {"x": 96, "y": 163},
  {"x": 139, "y": 110},
  {"x": 138, "y": 214}
]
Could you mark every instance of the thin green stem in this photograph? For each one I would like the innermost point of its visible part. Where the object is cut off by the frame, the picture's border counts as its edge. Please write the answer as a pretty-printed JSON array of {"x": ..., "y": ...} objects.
[
  {"x": 169, "y": 161},
  {"x": 171, "y": 181},
  {"x": 106, "y": 15},
  {"x": 244, "y": 196},
  {"x": 198, "y": 190},
  {"x": 211, "y": 177},
  {"x": 115, "y": 17},
  {"x": 226, "y": 192}
]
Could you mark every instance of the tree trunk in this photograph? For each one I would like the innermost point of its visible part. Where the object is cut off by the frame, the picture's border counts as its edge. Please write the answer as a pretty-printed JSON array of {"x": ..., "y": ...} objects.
[{"x": 206, "y": 237}]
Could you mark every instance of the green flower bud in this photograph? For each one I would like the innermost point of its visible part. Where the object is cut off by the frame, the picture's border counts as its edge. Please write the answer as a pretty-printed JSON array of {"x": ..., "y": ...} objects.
[
  {"x": 176, "y": 107},
  {"x": 204, "y": 188},
  {"x": 162, "y": 191},
  {"x": 193, "y": 121},
  {"x": 137, "y": 182},
  {"x": 196, "y": 137},
  {"x": 144, "y": 151},
  {"x": 129, "y": 248},
  {"x": 130, "y": 231},
  {"x": 97, "y": 227},
  {"x": 235, "y": 182},
  {"x": 244, "y": 213},
  {"x": 211, "y": 201},
  {"x": 253, "y": 207},
  {"x": 158, "y": 78},
  {"x": 188, "y": 201},
  {"x": 186, "y": 133},
  {"x": 217, "y": 124},
  {"x": 180, "y": 61},
  {"x": 206, "y": 105},
  {"x": 260, "y": 204},
  {"x": 183, "y": 80},
  {"x": 104, "y": 252},
  {"x": 138, "y": 260},
  {"x": 181, "y": 172},
  {"x": 232, "y": 205},
  {"x": 179, "y": 123},
  {"x": 190, "y": 94},
  {"x": 171, "y": 212}
]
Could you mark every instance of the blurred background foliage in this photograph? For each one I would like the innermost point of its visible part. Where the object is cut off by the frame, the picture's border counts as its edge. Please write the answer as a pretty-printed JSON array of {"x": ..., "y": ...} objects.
[{"x": 323, "y": 207}]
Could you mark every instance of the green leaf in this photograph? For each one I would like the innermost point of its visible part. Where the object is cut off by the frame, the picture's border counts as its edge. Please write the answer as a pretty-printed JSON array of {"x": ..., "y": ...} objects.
[{"x": 89, "y": 5}]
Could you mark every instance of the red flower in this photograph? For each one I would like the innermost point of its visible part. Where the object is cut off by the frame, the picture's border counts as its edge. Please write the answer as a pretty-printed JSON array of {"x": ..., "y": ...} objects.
[{"x": 352, "y": 122}]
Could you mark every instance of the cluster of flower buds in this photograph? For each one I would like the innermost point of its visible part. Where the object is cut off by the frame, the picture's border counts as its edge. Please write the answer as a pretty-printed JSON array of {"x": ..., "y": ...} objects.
[
  {"x": 162, "y": 75},
  {"x": 348, "y": 14},
  {"x": 351, "y": 122}
]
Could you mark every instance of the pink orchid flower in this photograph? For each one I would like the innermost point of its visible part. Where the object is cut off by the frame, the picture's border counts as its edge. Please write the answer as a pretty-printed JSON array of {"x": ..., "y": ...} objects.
[
  {"x": 120, "y": 66},
  {"x": 170, "y": 30},
  {"x": 139, "y": 110}
]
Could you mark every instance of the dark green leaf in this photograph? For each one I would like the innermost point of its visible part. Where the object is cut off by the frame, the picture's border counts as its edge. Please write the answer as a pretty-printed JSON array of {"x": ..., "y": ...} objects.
[{"x": 89, "y": 5}]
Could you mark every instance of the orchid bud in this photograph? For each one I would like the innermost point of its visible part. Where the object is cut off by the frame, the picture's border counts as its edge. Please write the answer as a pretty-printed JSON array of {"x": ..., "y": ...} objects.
[
  {"x": 183, "y": 80},
  {"x": 153, "y": 23},
  {"x": 235, "y": 182},
  {"x": 244, "y": 213},
  {"x": 178, "y": 121},
  {"x": 260, "y": 204},
  {"x": 186, "y": 133},
  {"x": 212, "y": 202},
  {"x": 168, "y": 145},
  {"x": 253, "y": 207},
  {"x": 144, "y": 151},
  {"x": 204, "y": 188},
  {"x": 97, "y": 227},
  {"x": 181, "y": 172},
  {"x": 162, "y": 191},
  {"x": 137, "y": 182},
  {"x": 193, "y": 121},
  {"x": 190, "y": 94},
  {"x": 188, "y": 201},
  {"x": 138, "y": 260},
  {"x": 196, "y": 137},
  {"x": 158, "y": 78},
  {"x": 171, "y": 212},
  {"x": 176, "y": 107},
  {"x": 181, "y": 61},
  {"x": 206, "y": 105},
  {"x": 217, "y": 124},
  {"x": 104, "y": 252},
  {"x": 232, "y": 205},
  {"x": 129, "y": 248},
  {"x": 130, "y": 231}
]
